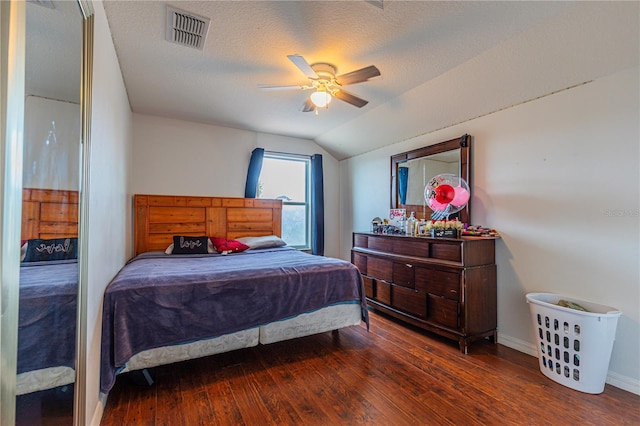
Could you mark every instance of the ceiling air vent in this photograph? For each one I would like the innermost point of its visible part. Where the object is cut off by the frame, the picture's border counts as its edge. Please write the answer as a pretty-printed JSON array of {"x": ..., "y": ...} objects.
[{"x": 186, "y": 29}]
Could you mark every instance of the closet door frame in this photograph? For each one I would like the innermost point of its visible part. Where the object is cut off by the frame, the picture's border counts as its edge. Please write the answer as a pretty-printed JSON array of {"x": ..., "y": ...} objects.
[
  {"x": 12, "y": 90},
  {"x": 86, "y": 79}
]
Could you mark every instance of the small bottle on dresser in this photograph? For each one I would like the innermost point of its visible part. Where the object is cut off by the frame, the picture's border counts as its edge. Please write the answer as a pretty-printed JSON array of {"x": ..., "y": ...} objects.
[{"x": 411, "y": 224}]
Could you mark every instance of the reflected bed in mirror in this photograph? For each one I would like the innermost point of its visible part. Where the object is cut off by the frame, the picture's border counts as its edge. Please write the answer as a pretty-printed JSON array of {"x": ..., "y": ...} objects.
[
  {"x": 412, "y": 170},
  {"x": 48, "y": 290}
]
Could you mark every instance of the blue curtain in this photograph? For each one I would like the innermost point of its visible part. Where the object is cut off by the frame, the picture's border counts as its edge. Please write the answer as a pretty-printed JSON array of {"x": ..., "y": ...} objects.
[
  {"x": 255, "y": 167},
  {"x": 317, "y": 206},
  {"x": 403, "y": 177}
]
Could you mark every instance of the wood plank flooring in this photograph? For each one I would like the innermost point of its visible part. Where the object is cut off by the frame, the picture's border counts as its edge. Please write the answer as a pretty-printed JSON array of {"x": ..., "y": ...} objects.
[
  {"x": 392, "y": 375},
  {"x": 51, "y": 407}
]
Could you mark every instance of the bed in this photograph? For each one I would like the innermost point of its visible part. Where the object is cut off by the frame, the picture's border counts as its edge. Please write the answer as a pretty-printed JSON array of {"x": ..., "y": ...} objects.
[
  {"x": 48, "y": 293},
  {"x": 164, "y": 308}
]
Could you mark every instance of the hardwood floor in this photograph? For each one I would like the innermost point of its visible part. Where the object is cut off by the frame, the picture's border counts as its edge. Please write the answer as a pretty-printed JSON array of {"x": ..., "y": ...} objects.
[
  {"x": 51, "y": 407},
  {"x": 392, "y": 375}
]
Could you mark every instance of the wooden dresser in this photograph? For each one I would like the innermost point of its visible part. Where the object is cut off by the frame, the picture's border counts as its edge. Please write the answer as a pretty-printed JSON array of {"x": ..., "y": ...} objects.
[{"x": 443, "y": 285}]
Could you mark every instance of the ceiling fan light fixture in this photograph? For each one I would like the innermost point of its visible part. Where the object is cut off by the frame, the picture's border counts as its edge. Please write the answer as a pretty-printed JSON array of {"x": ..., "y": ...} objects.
[
  {"x": 325, "y": 84},
  {"x": 321, "y": 98}
]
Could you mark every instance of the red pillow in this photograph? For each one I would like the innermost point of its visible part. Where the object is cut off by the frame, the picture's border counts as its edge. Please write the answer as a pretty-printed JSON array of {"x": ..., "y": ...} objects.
[{"x": 223, "y": 245}]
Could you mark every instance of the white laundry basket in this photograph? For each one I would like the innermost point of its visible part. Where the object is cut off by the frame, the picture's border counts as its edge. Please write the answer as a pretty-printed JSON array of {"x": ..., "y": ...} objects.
[{"x": 574, "y": 347}]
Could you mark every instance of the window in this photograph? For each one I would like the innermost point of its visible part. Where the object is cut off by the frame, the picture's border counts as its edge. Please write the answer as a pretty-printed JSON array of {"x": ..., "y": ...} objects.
[{"x": 287, "y": 177}]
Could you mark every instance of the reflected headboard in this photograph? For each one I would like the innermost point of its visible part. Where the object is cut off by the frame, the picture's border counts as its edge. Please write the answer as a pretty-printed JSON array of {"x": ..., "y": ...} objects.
[
  {"x": 157, "y": 218},
  {"x": 49, "y": 213}
]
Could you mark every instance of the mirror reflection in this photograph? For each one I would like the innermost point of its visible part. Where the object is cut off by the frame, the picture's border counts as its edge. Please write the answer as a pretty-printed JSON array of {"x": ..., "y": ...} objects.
[
  {"x": 411, "y": 171},
  {"x": 51, "y": 164},
  {"x": 415, "y": 174}
]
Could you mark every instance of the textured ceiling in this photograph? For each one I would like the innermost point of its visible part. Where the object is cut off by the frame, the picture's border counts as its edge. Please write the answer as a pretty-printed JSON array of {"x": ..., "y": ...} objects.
[
  {"x": 53, "y": 51},
  {"x": 441, "y": 62}
]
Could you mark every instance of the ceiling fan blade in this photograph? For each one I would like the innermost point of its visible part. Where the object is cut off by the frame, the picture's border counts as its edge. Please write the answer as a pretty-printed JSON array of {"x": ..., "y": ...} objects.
[
  {"x": 276, "y": 87},
  {"x": 350, "y": 99},
  {"x": 308, "y": 106},
  {"x": 358, "y": 76},
  {"x": 303, "y": 65}
]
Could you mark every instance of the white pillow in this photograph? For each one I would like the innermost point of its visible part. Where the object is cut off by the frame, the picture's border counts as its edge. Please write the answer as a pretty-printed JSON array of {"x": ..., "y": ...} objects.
[
  {"x": 169, "y": 250},
  {"x": 268, "y": 241}
]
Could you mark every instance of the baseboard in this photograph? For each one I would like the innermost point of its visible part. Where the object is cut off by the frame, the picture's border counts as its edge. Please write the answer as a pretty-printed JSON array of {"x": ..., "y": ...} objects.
[
  {"x": 623, "y": 382},
  {"x": 614, "y": 379},
  {"x": 517, "y": 344},
  {"x": 99, "y": 411}
]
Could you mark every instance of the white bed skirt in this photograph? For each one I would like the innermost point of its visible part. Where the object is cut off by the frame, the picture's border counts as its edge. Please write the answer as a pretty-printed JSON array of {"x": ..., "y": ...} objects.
[
  {"x": 46, "y": 378},
  {"x": 320, "y": 321},
  {"x": 326, "y": 319},
  {"x": 169, "y": 354}
]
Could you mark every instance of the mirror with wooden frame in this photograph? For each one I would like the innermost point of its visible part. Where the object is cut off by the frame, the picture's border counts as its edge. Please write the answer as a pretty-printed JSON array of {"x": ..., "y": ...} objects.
[{"x": 422, "y": 164}]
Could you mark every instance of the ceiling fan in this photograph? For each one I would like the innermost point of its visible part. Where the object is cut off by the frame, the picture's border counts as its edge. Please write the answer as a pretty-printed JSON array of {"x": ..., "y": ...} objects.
[{"x": 323, "y": 80}]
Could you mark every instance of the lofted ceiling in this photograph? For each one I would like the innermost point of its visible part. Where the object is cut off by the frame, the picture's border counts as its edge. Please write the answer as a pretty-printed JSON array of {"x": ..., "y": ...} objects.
[{"x": 442, "y": 63}]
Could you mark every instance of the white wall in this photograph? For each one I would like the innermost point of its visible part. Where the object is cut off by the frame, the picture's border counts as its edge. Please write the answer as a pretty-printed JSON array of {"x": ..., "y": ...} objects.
[
  {"x": 51, "y": 144},
  {"x": 110, "y": 209},
  {"x": 176, "y": 157},
  {"x": 558, "y": 177}
]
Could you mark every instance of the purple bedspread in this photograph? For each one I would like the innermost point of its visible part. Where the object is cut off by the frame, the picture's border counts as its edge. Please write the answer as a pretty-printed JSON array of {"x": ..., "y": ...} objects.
[
  {"x": 47, "y": 315},
  {"x": 160, "y": 300}
]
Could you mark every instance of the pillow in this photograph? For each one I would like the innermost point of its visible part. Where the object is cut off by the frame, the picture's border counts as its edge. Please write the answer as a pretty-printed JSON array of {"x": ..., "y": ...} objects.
[
  {"x": 268, "y": 241},
  {"x": 225, "y": 246},
  {"x": 183, "y": 244},
  {"x": 51, "y": 249},
  {"x": 210, "y": 248}
]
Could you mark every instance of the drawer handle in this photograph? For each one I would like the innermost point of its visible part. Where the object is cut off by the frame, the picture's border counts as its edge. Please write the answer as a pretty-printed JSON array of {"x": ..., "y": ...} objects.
[
  {"x": 454, "y": 291},
  {"x": 408, "y": 265}
]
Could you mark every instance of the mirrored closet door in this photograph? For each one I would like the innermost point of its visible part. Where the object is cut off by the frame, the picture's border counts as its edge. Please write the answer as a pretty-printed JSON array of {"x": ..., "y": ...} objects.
[{"x": 52, "y": 138}]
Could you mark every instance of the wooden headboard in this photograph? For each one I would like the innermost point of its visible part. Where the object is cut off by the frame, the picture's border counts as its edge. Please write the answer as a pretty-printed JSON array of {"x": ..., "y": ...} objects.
[
  {"x": 157, "y": 218},
  {"x": 49, "y": 213}
]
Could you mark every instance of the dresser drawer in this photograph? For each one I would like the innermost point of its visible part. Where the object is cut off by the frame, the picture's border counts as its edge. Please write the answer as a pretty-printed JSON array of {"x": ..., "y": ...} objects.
[
  {"x": 442, "y": 251},
  {"x": 380, "y": 269},
  {"x": 360, "y": 260},
  {"x": 380, "y": 244},
  {"x": 360, "y": 241},
  {"x": 441, "y": 283},
  {"x": 382, "y": 292},
  {"x": 414, "y": 248},
  {"x": 403, "y": 274},
  {"x": 368, "y": 286},
  {"x": 443, "y": 311},
  {"x": 409, "y": 301}
]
